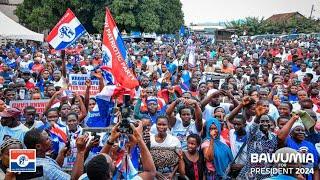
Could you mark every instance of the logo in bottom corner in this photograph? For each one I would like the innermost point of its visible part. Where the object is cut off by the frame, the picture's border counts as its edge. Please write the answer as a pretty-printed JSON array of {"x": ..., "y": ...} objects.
[{"x": 22, "y": 160}]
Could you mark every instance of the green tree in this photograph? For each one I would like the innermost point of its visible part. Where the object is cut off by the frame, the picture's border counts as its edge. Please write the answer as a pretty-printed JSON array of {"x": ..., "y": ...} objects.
[
  {"x": 139, "y": 15},
  {"x": 123, "y": 12},
  {"x": 170, "y": 15},
  {"x": 256, "y": 26},
  {"x": 147, "y": 16}
]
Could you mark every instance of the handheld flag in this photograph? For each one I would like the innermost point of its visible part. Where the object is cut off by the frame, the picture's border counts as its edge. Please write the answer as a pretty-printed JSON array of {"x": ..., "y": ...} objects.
[
  {"x": 191, "y": 56},
  {"x": 114, "y": 54},
  {"x": 182, "y": 31},
  {"x": 66, "y": 32},
  {"x": 101, "y": 114}
]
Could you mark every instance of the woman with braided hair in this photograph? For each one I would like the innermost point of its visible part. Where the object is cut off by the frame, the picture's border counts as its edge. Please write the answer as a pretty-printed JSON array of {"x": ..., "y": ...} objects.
[{"x": 5, "y": 147}]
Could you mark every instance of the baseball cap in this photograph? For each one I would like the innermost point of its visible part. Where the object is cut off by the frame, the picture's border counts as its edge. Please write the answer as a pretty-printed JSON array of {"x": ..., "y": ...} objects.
[
  {"x": 10, "y": 112},
  {"x": 25, "y": 71},
  {"x": 152, "y": 99}
]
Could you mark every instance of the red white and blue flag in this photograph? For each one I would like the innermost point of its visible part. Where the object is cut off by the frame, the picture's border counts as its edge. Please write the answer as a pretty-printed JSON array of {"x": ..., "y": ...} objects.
[
  {"x": 101, "y": 114},
  {"x": 22, "y": 160},
  {"x": 114, "y": 54},
  {"x": 66, "y": 32},
  {"x": 59, "y": 132}
]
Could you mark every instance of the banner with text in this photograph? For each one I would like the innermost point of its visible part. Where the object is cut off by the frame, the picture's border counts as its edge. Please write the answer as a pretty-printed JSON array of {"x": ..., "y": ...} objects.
[
  {"x": 78, "y": 84},
  {"x": 38, "y": 104}
]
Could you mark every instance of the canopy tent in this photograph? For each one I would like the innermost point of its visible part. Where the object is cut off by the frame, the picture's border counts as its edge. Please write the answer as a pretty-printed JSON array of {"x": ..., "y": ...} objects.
[{"x": 13, "y": 30}]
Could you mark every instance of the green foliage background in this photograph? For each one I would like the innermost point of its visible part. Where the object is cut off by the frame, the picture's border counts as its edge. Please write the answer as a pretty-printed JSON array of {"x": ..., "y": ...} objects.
[
  {"x": 255, "y": 25},
  {"x": 160, "y": 16}
]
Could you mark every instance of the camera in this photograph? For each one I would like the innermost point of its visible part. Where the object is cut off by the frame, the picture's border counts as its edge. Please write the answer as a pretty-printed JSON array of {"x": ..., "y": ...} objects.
[
  {"x": 95, "y": 136},
  {"x": 126, "y": 111}
]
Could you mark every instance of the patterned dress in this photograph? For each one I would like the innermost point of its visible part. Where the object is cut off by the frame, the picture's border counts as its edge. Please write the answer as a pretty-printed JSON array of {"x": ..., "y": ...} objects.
[{"x": 258, "y": 143}]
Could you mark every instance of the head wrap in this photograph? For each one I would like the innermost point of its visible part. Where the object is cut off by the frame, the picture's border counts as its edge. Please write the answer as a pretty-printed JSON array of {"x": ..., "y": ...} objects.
[
  {"x": 296, "y": 124},
  {"x": 222, "y": 153},
  {"x": 9, "y": 142}
]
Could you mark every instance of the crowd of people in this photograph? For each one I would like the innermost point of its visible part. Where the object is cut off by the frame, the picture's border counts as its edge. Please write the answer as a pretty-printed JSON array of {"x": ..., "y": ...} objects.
[{"x": 200, "y": 110}]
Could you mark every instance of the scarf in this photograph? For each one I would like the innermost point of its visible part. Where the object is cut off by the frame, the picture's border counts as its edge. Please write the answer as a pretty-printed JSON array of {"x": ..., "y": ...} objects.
[{"x": 222, "y": 153}]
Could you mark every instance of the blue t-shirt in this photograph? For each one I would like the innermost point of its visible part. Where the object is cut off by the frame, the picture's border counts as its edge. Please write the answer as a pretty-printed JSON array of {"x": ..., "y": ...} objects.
[
  {"x": 171, "y": 67},
  {"x": 154, "y": 117},
  {"x": 310, "y": 149},
  {"x": 293, "y": 98},
  {"x": 281, "y": 177},
  {"x": 144, "y": 59},
  {"x": 295, "y": 68},
  {"x": 10, "y": 63}
]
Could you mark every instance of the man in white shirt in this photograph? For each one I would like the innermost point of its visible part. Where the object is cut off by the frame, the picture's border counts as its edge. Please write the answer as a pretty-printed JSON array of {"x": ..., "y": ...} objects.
[
  {"x": 30, "y": 115},
  {"x": 88, "y": 65},
  {"x": 236, "y": 60},
  {"x": 151, "y": 65},
  {"x": 302, "y": 72},
  {"x": 26, "y": 62},
  {"x": 10, "y": 125}
]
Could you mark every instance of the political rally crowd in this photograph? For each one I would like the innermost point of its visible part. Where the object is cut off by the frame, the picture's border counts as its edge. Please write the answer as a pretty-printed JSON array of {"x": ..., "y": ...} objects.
[{"x": 200, "y": 111}]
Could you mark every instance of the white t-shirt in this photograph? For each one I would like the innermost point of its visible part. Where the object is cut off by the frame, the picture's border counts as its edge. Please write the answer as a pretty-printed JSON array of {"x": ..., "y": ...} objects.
[
  {"x": 24, "y": 64},
  {"x": 315, "y": 77},
  {"x": 16, "y": 132},
  {"x": 236, "y": 61},
  {"x": 273, "y": 112},
  {"x": 207, "y": 113},
  {"x": 61, "y": 83},
  {"x": 151, "y": 66},
  {"x": 88, "y": 68},
  {"x": 182, "y": 132},
  {"x": 170, "y": 141},
  {"x": 70, "y": 160},
  {"x": 37, "y": 124},
  {"x": 302, "y": 74}
]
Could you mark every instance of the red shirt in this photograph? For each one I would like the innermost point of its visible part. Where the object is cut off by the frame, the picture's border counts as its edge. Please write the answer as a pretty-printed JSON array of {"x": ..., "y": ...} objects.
[
  {"x": 164, "y": 94},
  {"x": 29, "y": 85},
  {"x": 274, "y": 52},
  {"x": 37, "y": 68}
]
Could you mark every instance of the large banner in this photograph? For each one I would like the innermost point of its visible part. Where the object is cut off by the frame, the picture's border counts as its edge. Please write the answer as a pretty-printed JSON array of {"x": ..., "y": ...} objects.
[
  {"x": 38, "y": 104},
  {"x": 78, "y": 84}
]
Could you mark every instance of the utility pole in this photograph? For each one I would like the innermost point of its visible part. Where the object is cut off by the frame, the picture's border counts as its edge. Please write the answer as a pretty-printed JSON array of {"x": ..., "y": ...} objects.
[{"x": 312, "y": 10}]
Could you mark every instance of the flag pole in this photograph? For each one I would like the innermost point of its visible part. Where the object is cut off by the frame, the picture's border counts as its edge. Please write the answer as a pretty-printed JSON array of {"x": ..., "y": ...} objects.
[{"x": 92, "y": 40}]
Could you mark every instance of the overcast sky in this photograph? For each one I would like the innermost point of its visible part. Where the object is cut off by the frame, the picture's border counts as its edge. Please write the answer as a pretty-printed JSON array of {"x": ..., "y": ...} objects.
[{"x": 198, "y": 11}]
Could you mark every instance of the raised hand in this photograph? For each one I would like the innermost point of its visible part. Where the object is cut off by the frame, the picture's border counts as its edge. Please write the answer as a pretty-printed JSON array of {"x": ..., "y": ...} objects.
[
  {"x": 98, "y": 75},
  {"x": 88, "y": 82},
  {"x": 137, "y": 133},
  {"x": 213, "y": 134},
  {"x": 245, "y": 101},
  {"x": 81, "y": 143},
  {"x": 260, "y": 110},
  {"x": 115, "y": 134},
  {"x": 295, "y": 117}
]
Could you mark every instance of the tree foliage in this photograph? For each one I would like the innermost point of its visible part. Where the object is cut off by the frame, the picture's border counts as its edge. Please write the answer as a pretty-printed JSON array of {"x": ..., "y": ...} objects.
[
  {"x": 171, "y": 16},
  {"x": 254, "y": 26},
  {"x": 163, "y": 16}
]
